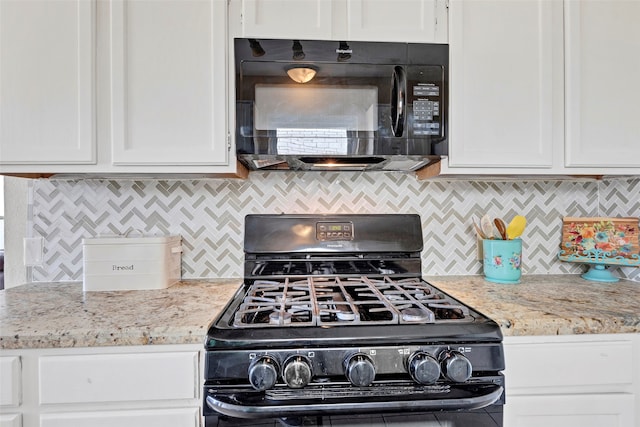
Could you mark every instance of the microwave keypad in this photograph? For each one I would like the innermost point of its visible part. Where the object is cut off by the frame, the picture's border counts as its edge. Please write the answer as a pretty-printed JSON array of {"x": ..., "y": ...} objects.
[{"x": 425, "y": 110}]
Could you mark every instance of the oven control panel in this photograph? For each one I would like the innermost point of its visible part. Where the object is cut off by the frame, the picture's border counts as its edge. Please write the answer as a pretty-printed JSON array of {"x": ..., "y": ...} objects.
[
  {"x": 362, "y": 366},
  {"x": 329, "y": 231}
]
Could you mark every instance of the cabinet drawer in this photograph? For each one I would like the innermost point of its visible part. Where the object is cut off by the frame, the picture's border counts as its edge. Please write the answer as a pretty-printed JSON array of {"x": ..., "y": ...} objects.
[
  {"x": 178, "y": 417},
  {"x": 569, "y": 364},
  {"x": 10, "y": 384},
  {"x": 118, "y": 377},
  {"x": 588, "y": 410}
]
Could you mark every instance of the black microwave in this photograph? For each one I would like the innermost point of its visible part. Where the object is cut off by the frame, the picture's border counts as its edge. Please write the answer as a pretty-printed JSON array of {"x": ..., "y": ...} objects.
[{"x": 319, "y": 105}]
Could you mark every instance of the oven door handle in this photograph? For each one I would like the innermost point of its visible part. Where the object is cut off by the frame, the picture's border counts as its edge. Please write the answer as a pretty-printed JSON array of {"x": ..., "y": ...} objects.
[{"x": 250, "y": 411}]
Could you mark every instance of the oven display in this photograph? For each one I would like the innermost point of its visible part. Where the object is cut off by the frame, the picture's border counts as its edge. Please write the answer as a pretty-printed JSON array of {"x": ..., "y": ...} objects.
[{"x": 334, "y": 231}]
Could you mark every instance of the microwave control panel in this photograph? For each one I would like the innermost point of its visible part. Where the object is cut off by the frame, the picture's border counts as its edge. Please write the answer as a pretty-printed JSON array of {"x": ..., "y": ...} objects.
[{"x": 425, "y": 95}]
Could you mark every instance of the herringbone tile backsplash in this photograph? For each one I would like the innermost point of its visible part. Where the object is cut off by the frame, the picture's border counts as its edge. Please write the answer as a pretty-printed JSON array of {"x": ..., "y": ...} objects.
[{"x": 209, "y": 214}]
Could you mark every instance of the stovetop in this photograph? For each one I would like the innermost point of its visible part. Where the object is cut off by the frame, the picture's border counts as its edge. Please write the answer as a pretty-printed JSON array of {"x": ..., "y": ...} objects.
[
  {"x": 345, "y": 311},
  {"x": 332, "y": 301},
  {"x": 313, "y": 279}
]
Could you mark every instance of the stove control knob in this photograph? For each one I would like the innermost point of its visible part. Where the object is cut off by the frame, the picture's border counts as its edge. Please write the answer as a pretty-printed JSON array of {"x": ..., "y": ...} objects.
[
  {"x": 424, "y": 368},
  {"x": 263, "y": 373},
  {"x": 359, "y": 370},
  {"x": 297, "y": 372},
  {"x": 455, "y": 366}
]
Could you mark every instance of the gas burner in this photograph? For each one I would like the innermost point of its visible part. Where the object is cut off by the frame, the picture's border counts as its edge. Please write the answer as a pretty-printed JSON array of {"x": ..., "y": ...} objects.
[
  {"x": 279, "y": 318},
  {"x": 346, "y": 316},
  {"x": 416, "y": 315}
]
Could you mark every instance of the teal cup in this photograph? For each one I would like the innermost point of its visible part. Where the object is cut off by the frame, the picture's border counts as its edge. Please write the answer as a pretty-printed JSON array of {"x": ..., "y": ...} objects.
[{"x": 502, "y": 260}]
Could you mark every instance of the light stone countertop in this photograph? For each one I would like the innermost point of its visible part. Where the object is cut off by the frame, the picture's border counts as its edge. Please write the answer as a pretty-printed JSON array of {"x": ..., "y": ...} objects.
[
  {"x": 550, "y": 304},
  {"x": 51, "y": 315}
]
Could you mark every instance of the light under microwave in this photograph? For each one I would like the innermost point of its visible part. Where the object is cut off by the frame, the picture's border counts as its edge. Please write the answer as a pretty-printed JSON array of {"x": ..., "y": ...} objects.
[{"x": 318, "y": 105}]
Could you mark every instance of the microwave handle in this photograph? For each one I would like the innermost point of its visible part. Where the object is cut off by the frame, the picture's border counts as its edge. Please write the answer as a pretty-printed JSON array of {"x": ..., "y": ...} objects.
[{"x": 398, "y": 100}]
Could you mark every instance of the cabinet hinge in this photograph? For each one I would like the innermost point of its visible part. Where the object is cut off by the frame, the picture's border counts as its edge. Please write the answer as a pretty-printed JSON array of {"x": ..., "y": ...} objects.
[{"x": 229, "y": 142}]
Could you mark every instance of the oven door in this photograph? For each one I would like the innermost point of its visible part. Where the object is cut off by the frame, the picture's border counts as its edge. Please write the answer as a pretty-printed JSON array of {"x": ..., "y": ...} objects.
[
  {"x": 476, "y": 404},
  {"x": 487, "y": 417}
]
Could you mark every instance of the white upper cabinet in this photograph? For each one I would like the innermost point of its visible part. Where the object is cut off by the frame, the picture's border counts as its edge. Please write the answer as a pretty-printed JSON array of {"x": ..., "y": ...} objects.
[
  {"x": 114, "y": 86},
  {"x": 293, "y": 19},
  {"x": 168, "y": 82},
  {"x": 536, "y": 89},
  {"x": 602, "y": 55},
  {"x": 397, "y": 20},
  {"x": 364, "y": 20},
  {"x": 502, "y": 83},
  {"x": 47, "y": 84}
]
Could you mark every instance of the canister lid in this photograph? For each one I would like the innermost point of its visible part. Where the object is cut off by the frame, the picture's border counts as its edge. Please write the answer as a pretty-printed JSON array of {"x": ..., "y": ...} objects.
[{"x": 137, "y": 240}]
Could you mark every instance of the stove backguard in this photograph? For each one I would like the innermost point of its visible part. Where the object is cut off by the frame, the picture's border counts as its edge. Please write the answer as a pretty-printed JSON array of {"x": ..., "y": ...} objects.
[{"x": 309, "y": 235}]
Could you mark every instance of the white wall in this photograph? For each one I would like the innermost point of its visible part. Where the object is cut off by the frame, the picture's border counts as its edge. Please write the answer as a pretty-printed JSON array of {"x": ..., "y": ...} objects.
[
  {"x": 16, "y": 196},
  {"x": 1, "y": 212}
]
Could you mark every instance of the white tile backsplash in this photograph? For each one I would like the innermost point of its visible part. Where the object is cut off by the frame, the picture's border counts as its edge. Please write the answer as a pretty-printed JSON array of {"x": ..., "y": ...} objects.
[{"x": 209, "y": 214}]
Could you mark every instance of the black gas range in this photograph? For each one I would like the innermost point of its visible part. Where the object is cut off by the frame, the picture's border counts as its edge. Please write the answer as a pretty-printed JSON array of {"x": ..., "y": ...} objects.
[{"x": 334, "y": 318}]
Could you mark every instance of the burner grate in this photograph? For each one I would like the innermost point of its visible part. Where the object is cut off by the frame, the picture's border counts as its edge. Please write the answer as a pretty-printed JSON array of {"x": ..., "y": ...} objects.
[
  {"x": 277, "y": 304},
  {"x": 332, "y": 301}
]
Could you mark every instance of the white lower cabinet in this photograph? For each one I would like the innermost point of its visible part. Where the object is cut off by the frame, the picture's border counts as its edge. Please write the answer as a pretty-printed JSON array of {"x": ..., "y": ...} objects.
[
  {"x": 576, "y": 380},
  {"x": 117, "y": 377},
  {"x": 140, "y": 418},
  {"x": 10, "y": 391},
  {"x": 10, "y": 420},
  {"x": 592, "y": 410},
  {"x": 10, "y": 383},
  {"x": 137, "y": 386}
]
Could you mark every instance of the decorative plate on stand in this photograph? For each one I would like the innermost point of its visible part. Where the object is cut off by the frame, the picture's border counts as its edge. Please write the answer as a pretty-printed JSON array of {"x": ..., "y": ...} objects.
[{"x": 600, "y": 243}]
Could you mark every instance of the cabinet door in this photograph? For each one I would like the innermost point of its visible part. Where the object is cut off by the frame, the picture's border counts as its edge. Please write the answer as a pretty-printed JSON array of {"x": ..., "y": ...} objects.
[
  {"x": 501, "y": 83},
  {"x": 294, "y": 19},
  {"x": 529, "y": 371},
  {"x": 168, "y": 82},
  {"x": 419, "y": 21},
  {"x": 587, "y": 410},
  {"x": 10, "y": 420},
  {"x": 10, "y": 381},
  {"x": 602, "y": 67},
  {"x": 47, "y": 52}
]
